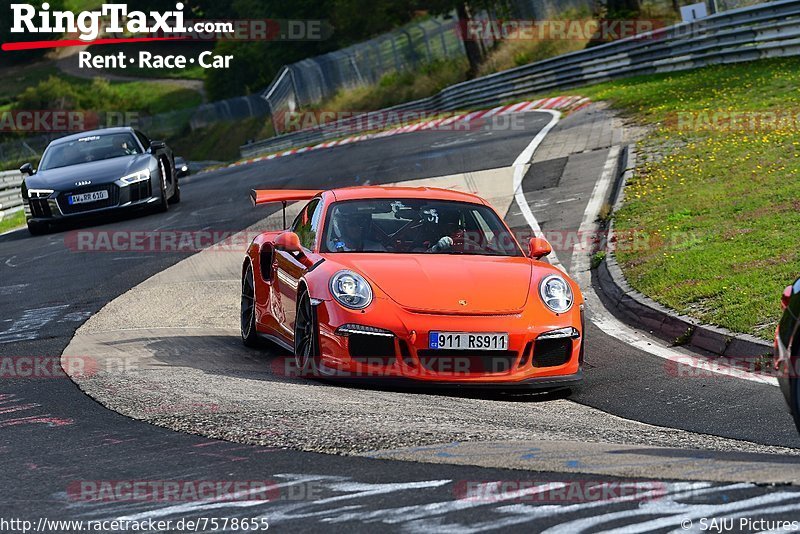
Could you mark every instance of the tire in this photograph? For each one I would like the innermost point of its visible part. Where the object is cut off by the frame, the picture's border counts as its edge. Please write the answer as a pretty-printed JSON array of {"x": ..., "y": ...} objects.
[
  {"x": 306, "y": 336},
  {"x": 794, "y": 400},
  {"x": 163, "y": 203},
  {"x": 248, "y": 309},
  {"x": 176, "y": 196},
  {"x": 37, "y": 228}
]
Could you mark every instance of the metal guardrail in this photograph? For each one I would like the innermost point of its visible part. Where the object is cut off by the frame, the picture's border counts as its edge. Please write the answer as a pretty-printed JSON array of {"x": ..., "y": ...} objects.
[
  {"x": 763, "y": 31},
  {"x": 10, "y": 196}
]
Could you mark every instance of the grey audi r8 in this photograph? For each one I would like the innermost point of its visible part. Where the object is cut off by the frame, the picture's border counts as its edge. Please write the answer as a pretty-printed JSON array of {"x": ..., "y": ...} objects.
[{"x": 95, "y": 172}]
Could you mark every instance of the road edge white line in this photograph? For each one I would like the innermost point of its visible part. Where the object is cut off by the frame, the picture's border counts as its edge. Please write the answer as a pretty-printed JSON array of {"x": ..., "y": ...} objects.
[
  {"x": 581, "y": 271},
  {"x": 520, "y": 166},
  {"x": 580, "y": 264}
]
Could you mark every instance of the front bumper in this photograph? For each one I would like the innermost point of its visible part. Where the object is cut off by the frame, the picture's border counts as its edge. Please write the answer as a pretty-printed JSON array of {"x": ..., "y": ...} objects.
[
  {"x": 55, "y": 207},
  {"x": 528, "y": 384},
  {"x": 400, "y": 354}
]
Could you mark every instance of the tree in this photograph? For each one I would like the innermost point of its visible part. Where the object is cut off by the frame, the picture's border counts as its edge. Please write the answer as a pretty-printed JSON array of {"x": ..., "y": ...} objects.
[
  {"x": 618, "y": 9},
  {"x": 26, "y": 56}
]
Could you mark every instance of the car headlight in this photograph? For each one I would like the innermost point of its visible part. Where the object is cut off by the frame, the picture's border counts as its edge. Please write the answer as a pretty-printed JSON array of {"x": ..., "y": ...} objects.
[
  {"x": 556, "y": 293},
  {"x": 39, "y": 193},
  {"x": 351, "y": 290},
  {"x": 136, "y": 177},
  {"x": 184, "y": 168}
]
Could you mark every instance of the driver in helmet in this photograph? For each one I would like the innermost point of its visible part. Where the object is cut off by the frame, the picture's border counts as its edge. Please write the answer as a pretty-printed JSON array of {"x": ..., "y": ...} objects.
[
  {"x": 123, "y": 144},
  {"x": 449, "y": 228},
  {"x": 350, "y": 234}
]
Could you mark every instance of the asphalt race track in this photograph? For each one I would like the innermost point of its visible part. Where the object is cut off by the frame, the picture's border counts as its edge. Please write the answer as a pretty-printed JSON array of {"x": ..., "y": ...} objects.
[{"x": 54, "y": 435}]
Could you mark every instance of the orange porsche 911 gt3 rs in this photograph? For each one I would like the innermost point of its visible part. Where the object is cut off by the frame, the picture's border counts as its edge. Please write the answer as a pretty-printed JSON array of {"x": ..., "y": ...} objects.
[{"x": 411, "y": 285}]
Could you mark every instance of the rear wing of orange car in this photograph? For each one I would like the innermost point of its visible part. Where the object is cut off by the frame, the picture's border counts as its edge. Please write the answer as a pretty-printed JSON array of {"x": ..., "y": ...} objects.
[{"x": 267, "y": 196}]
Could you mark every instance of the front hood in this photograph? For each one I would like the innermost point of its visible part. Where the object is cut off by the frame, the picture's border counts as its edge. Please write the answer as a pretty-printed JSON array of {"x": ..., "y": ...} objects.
[
  {"x": 99, "y": 172},
  {"x": 442, "y": 283}
]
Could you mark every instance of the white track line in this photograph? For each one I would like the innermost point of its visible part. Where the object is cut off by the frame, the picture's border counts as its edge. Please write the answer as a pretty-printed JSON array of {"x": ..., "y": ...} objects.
[
  {"x": 520, "y": 166},
  {"x": 580, "y": 265}
]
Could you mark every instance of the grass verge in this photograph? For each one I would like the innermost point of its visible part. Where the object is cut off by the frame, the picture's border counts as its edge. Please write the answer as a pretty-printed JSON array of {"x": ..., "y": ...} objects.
[
  {"x": 220, "y": 141},
  {"x": 11, "y": 221},
  {"x": 709, "y": 222},
  {"x": 398, "y": 87}
]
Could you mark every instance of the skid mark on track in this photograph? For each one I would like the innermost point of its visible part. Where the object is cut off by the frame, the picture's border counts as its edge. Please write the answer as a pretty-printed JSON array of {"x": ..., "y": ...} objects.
[
  {"x": 28, "y": 326},
  {"x": 463, "y": 506},
  {"x": 12, "y": 290},
  {"x": 11, "y": 404}
]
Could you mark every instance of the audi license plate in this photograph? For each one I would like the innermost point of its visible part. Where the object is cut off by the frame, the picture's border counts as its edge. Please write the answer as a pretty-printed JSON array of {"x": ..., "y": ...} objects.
[
  {"x": 468, "y": 341},
  {"x": 83, "y": 198}
]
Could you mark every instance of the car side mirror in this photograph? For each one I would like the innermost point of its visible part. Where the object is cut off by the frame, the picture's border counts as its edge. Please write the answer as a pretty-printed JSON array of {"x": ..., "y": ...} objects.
[
  {"x": 157, "y": 145},
  {"x": 288, "y": 242},
  {"x": 538, "y": 247},
  {"x": 27, "y": 169}
]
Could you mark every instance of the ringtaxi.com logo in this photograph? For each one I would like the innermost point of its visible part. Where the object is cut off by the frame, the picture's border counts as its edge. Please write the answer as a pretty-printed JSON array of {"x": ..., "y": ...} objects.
[{"x": 89, "y": 24}]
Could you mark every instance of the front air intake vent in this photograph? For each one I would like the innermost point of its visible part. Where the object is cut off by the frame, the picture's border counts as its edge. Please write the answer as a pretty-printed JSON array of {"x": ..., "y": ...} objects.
[{"x": 552, "y": 352}]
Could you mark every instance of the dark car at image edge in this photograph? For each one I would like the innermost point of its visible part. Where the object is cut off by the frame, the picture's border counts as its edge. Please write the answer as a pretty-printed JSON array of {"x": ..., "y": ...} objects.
[
  {"x": 96, "y": 172},
  {"x": 787, "y": 349}
]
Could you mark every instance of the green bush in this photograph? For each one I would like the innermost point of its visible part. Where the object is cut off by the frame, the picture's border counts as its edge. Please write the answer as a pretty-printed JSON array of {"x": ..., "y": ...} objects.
[{"x": 60, "y": 92}]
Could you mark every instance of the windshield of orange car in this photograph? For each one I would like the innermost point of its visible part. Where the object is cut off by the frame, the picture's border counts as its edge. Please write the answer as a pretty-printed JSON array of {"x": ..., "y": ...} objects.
[
  {"x": 416, "y": 226},
  {"x": 88, "y": 149}
]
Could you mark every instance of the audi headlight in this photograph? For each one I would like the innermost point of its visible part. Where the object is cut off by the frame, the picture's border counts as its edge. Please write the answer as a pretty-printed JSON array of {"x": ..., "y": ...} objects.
[
  {"x": 351, "y": 290},
  {"x": 136, "y": 177},
  {"x": 556, "y": 293},
  {"x": 39, "y": 193}
]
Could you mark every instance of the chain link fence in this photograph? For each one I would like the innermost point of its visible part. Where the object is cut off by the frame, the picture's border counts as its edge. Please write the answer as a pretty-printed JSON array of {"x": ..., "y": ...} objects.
[
  {"x": 316, "y": 79},
  {"x": 173, "y": 123}
]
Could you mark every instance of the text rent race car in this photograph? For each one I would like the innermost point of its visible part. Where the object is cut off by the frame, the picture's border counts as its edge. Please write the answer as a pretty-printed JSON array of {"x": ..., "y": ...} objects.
[
  {"x": 96, "y": 172},
  {"x": 787, "y": 349},
  {"x": 411, "y": 285}
]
